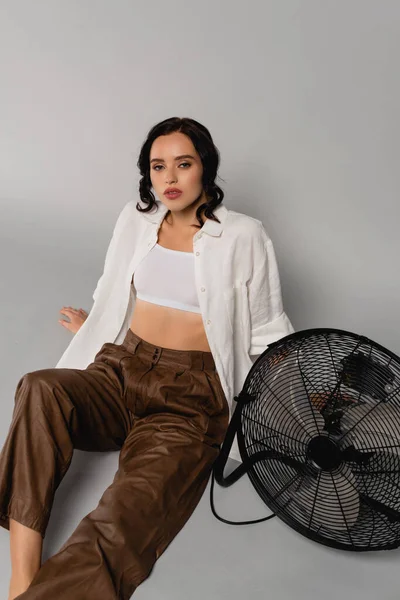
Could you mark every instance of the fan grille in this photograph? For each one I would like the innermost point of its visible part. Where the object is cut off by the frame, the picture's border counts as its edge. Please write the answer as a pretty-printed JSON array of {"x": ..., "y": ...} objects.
[{"x": 325, "y": 410}]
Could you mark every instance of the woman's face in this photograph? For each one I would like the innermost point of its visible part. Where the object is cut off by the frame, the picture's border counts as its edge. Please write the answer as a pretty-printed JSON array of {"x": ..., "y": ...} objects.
[{"x": 174, "y": 162}]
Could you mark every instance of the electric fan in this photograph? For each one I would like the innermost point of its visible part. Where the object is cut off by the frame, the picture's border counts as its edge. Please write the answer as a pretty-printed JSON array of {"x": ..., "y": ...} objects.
[{"x": 318, "y": 430}]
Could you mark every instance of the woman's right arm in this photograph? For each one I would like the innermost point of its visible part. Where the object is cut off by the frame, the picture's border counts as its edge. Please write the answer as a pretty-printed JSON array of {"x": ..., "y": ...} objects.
[{"x": 78, "y": 316}]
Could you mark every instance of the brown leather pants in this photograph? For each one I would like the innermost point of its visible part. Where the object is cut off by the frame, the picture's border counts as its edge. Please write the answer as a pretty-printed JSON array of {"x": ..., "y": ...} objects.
[{"x": 165, "y": 410}]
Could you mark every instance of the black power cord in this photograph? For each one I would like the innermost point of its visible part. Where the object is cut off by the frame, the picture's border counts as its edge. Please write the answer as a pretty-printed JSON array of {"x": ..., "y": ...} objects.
[{"x": 226, "y": 520}]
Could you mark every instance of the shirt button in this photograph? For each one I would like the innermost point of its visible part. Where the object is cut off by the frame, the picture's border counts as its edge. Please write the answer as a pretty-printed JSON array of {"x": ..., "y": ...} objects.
[
  {"x": 203, "y": 289},
  {"x": 208, "y": 321},
  {"x": 197, "y": 253}
]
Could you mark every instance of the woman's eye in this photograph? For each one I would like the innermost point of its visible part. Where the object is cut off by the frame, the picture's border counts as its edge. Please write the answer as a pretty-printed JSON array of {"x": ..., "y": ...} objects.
[{"x": 184, "y": 163}]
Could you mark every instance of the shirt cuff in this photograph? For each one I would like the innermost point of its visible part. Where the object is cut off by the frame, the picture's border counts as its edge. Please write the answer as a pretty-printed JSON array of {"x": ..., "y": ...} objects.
[{"x": 266, "y": 334}]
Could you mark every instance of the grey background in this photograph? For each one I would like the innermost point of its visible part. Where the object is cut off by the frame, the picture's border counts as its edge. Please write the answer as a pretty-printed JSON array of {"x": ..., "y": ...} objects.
[{"x": 302, "y": 99}]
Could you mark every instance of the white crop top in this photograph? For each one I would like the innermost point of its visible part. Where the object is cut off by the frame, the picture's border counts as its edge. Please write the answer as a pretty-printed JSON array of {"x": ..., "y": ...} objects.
[{"x": 166, "y": 277}]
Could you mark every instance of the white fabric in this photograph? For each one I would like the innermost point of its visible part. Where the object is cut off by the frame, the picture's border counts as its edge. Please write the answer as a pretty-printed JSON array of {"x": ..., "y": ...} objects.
[
  {"x": 237, "y": 282},
  {"x": 166, "y": 277}
]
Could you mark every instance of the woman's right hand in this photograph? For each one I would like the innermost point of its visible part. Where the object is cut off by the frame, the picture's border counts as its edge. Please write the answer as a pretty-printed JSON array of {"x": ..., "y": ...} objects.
[{"x": 77, "y": 318}]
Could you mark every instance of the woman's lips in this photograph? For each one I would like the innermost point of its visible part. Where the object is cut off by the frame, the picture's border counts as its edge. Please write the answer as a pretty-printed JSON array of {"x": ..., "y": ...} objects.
[{"x": 172, "y": 195}]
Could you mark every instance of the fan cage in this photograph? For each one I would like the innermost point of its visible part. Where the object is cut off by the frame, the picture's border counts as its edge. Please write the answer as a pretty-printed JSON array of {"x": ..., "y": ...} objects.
[{"x": 339, "y": 486}]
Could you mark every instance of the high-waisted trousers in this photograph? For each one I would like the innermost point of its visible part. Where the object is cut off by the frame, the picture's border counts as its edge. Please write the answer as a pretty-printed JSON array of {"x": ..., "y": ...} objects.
[{"x": 164, "y": 409}]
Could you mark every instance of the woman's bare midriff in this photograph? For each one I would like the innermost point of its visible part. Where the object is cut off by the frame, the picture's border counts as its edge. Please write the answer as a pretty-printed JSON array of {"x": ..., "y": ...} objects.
[
  {"x": 169, "y": 327},
  {"x": 165, "y": 326}
]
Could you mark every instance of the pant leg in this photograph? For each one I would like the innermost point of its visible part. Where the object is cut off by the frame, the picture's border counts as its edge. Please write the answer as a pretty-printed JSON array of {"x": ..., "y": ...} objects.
[
  {"x": 55, "y": 411},
  {"x": 164, "y": 467}
]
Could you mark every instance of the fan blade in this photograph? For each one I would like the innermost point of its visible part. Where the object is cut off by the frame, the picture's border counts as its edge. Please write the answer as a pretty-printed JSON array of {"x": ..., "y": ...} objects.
[
  {"x": 365, "y": 422},
  {"x": 311, "y": 419},
  {"x": 331, "y": 500},
  {"x": 379, "y": 477},
  {"x": 375, "y": 429},
  {"x": 288, "y": 405}
]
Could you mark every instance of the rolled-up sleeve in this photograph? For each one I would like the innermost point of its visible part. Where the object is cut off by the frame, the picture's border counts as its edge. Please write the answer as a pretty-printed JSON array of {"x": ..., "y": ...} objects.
[{"x": 268, "y": 319}]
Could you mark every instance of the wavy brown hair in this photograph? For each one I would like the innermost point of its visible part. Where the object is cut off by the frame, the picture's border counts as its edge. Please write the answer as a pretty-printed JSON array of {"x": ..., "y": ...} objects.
[{"x": 209, "y": 156}]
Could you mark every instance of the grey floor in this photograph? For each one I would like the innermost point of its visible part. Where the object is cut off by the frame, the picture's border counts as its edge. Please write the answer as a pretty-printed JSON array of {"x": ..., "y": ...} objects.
[{"x": 208, "y": 559}]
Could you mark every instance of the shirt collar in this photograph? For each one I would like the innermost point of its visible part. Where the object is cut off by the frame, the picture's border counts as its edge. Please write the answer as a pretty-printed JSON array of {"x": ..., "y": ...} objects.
[{"x": 210, "y": 227}]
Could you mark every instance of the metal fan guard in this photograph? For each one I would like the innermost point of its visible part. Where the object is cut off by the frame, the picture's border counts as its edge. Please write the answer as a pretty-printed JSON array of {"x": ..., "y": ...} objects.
[{"x": 341, "y": 372}]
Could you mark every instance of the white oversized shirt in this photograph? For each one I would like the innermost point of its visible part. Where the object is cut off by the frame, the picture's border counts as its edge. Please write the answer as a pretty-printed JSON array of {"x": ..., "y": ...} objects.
[{"x": 238, "y": 287}]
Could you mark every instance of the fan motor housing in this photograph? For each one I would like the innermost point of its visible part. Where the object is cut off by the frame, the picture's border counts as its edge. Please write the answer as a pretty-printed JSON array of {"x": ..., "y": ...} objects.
[{"x": 324, "y": 453}]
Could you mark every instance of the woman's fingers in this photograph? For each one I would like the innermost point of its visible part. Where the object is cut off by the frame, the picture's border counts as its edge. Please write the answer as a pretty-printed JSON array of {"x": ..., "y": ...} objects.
[{"x": 76, "y": 318}]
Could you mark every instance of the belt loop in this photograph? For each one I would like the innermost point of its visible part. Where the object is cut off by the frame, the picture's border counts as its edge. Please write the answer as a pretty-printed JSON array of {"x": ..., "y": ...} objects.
[
  {"x": 136, "y": 344},
  {"x": 196, "y": 361},
  {"x": 208, "y": 360}
]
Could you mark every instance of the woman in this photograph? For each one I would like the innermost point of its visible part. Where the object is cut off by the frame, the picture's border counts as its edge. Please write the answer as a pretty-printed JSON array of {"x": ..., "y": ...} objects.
[{"x": 157, "y": 396}]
